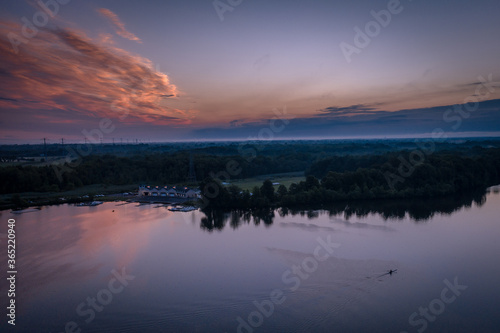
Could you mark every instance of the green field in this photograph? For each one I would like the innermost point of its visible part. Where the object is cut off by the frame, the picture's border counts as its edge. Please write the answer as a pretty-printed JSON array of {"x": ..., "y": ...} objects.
[{"x": 281, "y": 178}]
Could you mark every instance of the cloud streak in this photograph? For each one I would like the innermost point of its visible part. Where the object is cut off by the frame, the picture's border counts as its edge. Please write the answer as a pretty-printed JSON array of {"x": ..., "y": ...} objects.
[
  {"x": 118, "y": 24},
  {"x": 348, "y": 110}
]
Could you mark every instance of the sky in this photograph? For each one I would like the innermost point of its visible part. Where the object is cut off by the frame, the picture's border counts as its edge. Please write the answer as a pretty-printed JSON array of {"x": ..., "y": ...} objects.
[{"x": 238, "y": 69}]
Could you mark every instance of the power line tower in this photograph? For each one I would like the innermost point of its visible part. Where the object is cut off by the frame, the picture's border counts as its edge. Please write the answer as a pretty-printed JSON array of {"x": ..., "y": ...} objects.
[
  {"x": 45, "y": 147},
  {"x": 192, "y": 173}
]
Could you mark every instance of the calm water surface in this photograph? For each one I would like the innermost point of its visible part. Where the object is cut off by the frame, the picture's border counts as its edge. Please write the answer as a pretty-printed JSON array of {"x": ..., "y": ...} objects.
[{"x": 186, "y": 272}]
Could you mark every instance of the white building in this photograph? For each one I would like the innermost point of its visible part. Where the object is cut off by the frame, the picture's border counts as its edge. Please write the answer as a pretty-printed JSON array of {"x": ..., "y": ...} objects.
[{"x": 168, "y": 191}]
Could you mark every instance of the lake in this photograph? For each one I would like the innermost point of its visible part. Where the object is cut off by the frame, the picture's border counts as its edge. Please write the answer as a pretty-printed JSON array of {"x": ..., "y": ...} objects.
[{"x": 141, "y": 268}]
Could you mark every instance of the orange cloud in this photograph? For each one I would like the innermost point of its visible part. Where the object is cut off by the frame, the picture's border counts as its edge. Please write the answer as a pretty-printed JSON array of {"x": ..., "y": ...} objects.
[
  {"x": 119, "y": 26},
  {"x": 66, "y": 70}
]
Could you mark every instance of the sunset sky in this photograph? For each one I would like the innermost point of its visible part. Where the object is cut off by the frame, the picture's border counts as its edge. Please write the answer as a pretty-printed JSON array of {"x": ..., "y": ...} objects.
[{"x": 199, "y": 69}]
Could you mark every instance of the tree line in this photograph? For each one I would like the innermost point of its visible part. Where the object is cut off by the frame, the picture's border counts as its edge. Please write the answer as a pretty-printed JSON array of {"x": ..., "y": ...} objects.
[
  {"x": 329, "y": 177},
  {"x": 157, "y": 169},
  {"x": 440, "y": 174}
]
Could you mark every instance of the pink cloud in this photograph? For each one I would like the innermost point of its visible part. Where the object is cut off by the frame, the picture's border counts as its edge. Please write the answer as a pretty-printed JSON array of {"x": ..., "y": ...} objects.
[
  {"x": 119, "y": 25},
  {"x": 65, "y": 70}
]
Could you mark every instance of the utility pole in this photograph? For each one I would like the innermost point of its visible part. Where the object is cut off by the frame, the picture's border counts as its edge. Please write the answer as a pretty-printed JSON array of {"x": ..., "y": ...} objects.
[{"x": 44, "y": 147}]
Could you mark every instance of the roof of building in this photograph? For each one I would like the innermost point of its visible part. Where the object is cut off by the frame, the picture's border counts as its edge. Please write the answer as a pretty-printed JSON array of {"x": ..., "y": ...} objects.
[{"x": 180, "y": 189}]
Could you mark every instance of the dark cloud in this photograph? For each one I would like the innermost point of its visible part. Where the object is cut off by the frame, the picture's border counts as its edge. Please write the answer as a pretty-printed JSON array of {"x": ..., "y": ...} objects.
[
  {"x": 479, "y": 83},
  {"x": 348, "y": 110},
  {"x": 367, "y": 122},
  {"x": 8, "y": 99}
]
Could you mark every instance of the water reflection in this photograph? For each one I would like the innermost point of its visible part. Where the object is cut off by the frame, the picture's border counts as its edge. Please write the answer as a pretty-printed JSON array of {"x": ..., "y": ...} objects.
[
  {"x": 59, "y": 245},
  {"x": 217, "y": 219},
  {"x": 417, "y": 210}
]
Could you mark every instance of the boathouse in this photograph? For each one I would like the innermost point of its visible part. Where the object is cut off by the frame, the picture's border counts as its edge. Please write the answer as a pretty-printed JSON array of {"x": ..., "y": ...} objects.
[{"x": 168, "y": 191}]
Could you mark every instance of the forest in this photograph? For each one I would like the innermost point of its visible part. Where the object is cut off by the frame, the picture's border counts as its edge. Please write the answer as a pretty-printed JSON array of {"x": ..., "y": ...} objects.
[
  {"x": 334, "y": 170},
  {"x": 389, "y": 176}
]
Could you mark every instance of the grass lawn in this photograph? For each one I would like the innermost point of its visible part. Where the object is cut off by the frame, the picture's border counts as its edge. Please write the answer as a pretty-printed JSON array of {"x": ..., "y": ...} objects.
[{"x": 281, "y": 178}]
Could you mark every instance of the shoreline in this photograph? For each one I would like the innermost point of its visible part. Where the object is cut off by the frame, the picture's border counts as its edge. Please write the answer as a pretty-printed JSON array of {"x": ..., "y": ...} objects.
[{"x": 127, "y": 199}]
